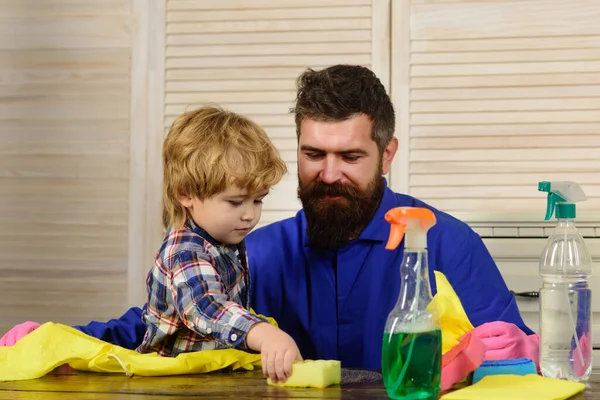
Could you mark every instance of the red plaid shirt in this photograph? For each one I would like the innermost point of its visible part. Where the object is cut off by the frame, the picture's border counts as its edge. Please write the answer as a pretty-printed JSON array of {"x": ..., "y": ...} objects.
[{"x": 198, "y": 295}]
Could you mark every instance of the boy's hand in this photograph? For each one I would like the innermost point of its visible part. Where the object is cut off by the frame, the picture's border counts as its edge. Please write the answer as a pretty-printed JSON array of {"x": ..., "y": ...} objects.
[{"x": 278, "y": 350}]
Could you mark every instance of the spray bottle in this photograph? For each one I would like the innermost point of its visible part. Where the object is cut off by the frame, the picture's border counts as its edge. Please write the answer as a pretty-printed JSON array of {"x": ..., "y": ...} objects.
[
  {"x": 565, "y": 296},
  {"x": 412, "y": 340}
]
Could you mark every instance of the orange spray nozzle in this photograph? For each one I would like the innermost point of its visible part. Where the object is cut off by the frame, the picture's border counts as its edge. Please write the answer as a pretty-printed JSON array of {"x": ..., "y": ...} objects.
[{"x": 398, "y": 217}]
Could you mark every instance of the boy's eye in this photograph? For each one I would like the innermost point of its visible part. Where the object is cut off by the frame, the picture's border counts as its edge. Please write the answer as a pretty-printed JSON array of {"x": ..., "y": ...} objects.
[
  {"x": 258, "y": 201},
  {"x": 236, "y": 203}
]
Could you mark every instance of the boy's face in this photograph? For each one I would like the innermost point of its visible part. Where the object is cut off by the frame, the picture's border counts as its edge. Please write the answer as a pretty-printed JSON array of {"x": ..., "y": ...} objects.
[{"x": 227, "y": 216}]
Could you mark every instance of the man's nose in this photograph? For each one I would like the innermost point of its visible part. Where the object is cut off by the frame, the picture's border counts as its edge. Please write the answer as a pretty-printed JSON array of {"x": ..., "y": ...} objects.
[{"x": 331, "y": 171}]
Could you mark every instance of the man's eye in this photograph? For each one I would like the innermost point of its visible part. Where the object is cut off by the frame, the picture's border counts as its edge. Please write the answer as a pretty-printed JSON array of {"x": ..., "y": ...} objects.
[
  {"x": 313, "y": 156},
  {"x": 351, "y": 158},
  {"x": 235, "y": 203}
]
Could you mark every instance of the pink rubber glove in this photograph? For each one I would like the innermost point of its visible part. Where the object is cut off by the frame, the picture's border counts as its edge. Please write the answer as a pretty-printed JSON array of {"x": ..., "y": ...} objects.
[
  {"x": 505, "y": 340},
  {"x": 586, "y": 351},
  {"x": 17, "y": 332}
]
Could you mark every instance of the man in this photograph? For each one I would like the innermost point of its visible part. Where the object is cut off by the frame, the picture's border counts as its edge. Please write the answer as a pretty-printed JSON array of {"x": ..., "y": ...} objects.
[{"x": 325, "y": 275}]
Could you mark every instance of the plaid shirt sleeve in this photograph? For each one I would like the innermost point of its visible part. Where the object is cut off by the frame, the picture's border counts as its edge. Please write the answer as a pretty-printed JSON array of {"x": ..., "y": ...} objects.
[{"x": 203, "y": 304}]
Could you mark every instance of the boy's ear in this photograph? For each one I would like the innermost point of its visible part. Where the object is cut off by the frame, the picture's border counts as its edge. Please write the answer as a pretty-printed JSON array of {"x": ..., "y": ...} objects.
[{"x": 185, "y": 201}]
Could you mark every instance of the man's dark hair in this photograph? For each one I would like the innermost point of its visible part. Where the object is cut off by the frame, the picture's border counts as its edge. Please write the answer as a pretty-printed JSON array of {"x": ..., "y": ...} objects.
[{"x": 340, "y": 92}]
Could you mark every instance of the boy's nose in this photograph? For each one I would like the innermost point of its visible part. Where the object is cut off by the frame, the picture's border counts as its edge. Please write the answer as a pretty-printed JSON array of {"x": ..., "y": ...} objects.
[{"x": 248, "y": 214}]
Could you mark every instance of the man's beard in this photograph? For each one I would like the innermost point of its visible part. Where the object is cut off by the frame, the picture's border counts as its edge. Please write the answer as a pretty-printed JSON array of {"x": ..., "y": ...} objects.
[{"x": 332, "y": 223}]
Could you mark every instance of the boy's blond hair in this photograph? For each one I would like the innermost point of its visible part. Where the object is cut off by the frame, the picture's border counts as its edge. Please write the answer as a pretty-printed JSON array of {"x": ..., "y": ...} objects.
[{"x": 210, "y": 149}]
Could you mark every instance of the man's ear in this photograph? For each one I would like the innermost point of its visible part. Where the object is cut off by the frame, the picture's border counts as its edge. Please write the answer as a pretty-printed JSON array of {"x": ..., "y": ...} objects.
[
  {"x": 388, "y": 155},
  {"x": 185, "y": 201}
]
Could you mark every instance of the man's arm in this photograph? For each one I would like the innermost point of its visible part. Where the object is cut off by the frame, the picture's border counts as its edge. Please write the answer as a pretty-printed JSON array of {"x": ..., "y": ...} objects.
[
  {"x": 473, "y": 274},
  {"x": 126, "y": 331}
]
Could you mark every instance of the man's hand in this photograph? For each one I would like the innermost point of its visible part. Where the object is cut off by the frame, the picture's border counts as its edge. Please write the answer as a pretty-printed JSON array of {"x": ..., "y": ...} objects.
[
  {"x": 505, "y": 340},
  {"x": 18, "y": 332},
  {"x": 278, "y": 350}
]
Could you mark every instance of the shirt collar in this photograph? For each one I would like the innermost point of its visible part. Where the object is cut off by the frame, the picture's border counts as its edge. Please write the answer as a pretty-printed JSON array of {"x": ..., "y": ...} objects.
[{"x": 190, "y": 224}]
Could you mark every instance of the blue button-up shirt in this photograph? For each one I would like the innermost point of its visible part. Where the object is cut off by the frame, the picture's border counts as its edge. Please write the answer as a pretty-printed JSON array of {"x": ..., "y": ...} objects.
[{"x": 335, "y": 303}]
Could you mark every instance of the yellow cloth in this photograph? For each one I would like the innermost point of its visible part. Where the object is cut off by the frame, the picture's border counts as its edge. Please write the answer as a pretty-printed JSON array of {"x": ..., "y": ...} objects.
[
  {"x": 453, "y": 319},
  {"x": 52, "y": 345},
  {"x": 517, "y": 387}
]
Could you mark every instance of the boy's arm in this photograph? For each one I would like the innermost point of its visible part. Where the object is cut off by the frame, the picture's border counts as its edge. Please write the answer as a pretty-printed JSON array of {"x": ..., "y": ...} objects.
[{"x": 203, "y": 304}]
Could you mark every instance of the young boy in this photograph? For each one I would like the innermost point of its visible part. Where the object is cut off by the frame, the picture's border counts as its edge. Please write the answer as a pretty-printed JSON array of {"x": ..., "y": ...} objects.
[{"x": 218, "y": 167}]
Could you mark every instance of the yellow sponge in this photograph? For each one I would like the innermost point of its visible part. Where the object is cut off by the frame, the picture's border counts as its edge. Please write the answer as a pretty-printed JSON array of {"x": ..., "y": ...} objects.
[{"x": 313, "y": 373}]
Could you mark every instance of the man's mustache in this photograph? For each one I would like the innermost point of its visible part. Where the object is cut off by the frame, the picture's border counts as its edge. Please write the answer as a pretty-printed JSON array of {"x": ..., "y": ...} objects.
[{"x": 335, "y": 189}]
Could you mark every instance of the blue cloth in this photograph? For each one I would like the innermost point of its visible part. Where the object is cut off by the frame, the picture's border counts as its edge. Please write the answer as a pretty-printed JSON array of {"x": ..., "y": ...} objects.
[{"x": 335, "y": 303}]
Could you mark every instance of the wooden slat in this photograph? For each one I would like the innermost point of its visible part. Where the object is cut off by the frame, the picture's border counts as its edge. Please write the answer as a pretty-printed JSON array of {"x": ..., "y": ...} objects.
[
  {"x": 268, "y": 49},
  {"x": 499, "y": 179},
  {"x": 497, "y": 192},
  {"x": 338, "y": 36},
  {"x": 230, "y": 85},
  {"x": 516, "y": 155},
  {"x": 228, "y": 73},
  {"x": 524, "y": 80},
  {"x": 266, "y": 61},
  {"x": 102, "y": 61},
  {"x": 259, "y": 4},
  {"x": 506, "y": 142},
  {"x": 269, "y": 26},
  {"x": 517, "y": 105},
  {"x": 506, "y": 68},
  {"x": 224, "y": 97},
  {"x": 492, "y": 207},
  {"x": 273, "y": 14},
  {"x": 523, "y": 92},
  {"x": 493, "y": 167},
  {"x": 506, "y": 117},
  {"x": 504, "y": 19},
  {"x": 533, "y": 129},
  {"x": 489, "y": 57},
  {"x": 503, "y": 44},
  {"x": 83, "y": 165},
  {"x": 12, "y": 9},
  {"x": 19, "y": 107},
  {"x": 67, "y": 32}
]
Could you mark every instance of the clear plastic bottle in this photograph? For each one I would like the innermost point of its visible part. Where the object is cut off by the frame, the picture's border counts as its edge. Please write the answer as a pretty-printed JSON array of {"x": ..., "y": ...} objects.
[
  {"x": 412, "y": 340},
  {"x": 565, "y": 297}
]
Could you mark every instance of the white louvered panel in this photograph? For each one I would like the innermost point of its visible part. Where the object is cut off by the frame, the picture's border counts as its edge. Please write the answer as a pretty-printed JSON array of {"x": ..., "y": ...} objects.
[
  {"x": 246, "y": 56},
  {"x": 518, "y": 261},
  {"x": 500, "y": 97},
  {"x": 64, "y": 159}
]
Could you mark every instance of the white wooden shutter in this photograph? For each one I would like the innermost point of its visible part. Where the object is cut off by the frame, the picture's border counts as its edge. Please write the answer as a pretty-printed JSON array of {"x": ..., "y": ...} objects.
[
  {"x": 64, "y": 176},
  {"x": 499, "y": 95},
  {"x": 494, "y": 96},
  {"x": 246, "y": 56}
]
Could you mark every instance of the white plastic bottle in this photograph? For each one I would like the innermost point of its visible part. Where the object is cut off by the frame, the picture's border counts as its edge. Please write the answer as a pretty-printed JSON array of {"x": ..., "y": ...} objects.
[{"x": 565, "y": 296}]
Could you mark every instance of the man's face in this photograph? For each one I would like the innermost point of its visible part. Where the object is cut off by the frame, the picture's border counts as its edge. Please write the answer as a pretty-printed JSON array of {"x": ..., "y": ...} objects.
[{"x": 339, "y": 177}]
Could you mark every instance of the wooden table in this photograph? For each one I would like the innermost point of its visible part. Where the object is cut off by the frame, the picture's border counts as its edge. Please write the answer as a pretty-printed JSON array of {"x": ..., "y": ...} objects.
[{"x": 218, "y": 386}]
